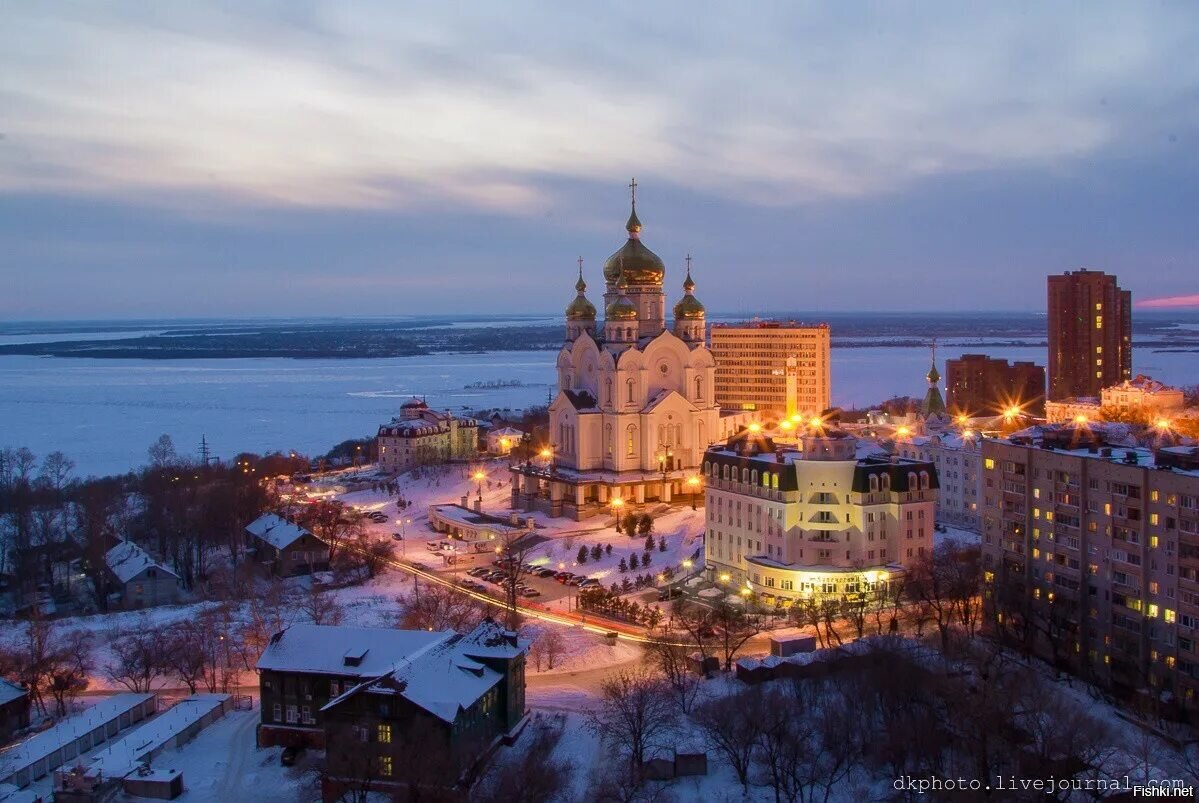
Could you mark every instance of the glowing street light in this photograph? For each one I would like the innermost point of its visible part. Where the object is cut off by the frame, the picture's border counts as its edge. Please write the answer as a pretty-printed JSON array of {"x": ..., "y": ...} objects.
[
  {"x": 1162, "y": 425},
  {"x": 1080, "y": 419},
  {"x": 724, "y": 578},
  {"x": 903, "y": 432},
  {"x": 754, "y": 426},
  {"x": 816, "y": 423},
  {"x": 693, "y": 488},
  {"x": 546, "y": 453},
  {"x": 687, "y": 563}
]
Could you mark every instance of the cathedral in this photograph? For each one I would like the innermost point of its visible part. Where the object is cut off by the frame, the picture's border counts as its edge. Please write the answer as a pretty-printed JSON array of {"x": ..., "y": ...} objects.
[{"x": 636, "y": 404}]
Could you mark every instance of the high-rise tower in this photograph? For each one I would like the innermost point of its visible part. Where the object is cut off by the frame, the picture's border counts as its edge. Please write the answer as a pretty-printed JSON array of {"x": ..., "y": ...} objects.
[{"x": 1090, "y": 334}]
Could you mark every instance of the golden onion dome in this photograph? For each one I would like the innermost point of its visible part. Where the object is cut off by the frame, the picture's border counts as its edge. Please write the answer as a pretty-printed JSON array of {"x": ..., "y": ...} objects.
[
  {"x": 689, "y": 307},
  {"x": 621, "y": 309},
  {"x": 580, "y": 309},
  {"x": 641, "y": 265}
]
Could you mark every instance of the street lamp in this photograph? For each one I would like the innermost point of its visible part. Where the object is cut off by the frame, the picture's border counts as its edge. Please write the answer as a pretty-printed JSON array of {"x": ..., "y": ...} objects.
[
  {"x": 664, "y": 458},
  {"x": 479, "y": 477},
  {"x": 693, "y": 487}
]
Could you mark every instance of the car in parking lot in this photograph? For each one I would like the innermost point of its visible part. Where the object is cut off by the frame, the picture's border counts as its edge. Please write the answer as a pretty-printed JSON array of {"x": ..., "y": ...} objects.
[
  {"x": 478, "y": 571},
  {"x": 545, "y": 572},
  {"x": 563, "y": 577},
  {"x": 588, "y": 582},
  {"x": 674, "y": 592},
  {"x": 529, "y": 592}
]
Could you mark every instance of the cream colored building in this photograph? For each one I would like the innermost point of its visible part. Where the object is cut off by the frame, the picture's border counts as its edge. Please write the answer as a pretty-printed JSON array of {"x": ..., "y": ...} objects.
[
  {"x": 636, "y": 404},
  {"x": 772, "y": 366},
  {"x": 1066, "y": 410},
  {"x": 813, "y": 518},
  {"x": 1143, "y": 394},
  {"x": 421, "y": 436}
]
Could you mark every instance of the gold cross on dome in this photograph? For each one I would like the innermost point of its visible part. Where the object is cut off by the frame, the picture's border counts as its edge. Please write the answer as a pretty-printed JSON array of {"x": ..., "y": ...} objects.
[{"x": 633, "y": 190}]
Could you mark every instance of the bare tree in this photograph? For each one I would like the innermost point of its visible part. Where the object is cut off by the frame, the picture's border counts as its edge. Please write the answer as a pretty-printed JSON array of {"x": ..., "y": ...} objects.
[
  {"x": 554, "y": 645},
  {"x": 695, "y": 623},
  {"x": 733, "y": 628},
  {"x": 162, "y": 452},
  {"x": 333, "y": 523},
  {"x": 441, "y": 608},
  {"x": 732, "y": 726},
  {"x": 320, "y": 607},
  {"x": 140, "y": 656},
  {"x": 670, "y": 656},
  {"x": 535, "y": 776},
  {"x": 48, "y": 662},
  {"x": 636, "y": 715}
]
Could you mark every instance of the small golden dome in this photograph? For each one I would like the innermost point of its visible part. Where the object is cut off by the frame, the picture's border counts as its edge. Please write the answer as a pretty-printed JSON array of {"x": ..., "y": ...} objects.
[
  {"x": 580, "y": 309},
  {"x": 688, "y": 308},
  {"x": 621, "y": 309}
]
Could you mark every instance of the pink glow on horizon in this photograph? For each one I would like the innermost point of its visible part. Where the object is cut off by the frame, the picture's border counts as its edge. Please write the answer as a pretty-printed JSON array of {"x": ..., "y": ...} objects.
[{"x": 1169, "y": 301}]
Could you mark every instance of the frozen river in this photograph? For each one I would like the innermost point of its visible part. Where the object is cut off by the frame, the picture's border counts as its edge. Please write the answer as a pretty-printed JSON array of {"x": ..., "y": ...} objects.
[{"x": 104, "y": 413}]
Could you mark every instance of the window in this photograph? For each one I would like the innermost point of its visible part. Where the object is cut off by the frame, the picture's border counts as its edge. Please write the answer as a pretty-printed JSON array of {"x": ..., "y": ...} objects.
[
  {"x": 292, "y": 715},
  {"x": 306, "y": 715},
  {"x": 989, "y": 462},
  {"x": 278, "y": 712},
  {"x": 383, "y": 733},
  {"x": 629, "y": 385},
  {"x": 385, "y": 766},
  {"x": 631, "y": 440}
]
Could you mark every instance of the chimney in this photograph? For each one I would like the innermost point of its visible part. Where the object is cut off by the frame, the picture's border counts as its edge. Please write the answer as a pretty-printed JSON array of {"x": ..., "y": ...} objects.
[
  {"x": 514, "y": 519},
  {"x": 478, "y": 505},
  {"x": 462, "y": 500}
]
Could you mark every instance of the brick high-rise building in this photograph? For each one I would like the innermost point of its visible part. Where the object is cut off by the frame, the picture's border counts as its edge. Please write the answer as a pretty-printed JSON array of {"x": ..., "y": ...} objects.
[
  {"x": 1090, "y": 334},
  {"x": 976, "y": 384},
  {"x": 772, "y": 366}
]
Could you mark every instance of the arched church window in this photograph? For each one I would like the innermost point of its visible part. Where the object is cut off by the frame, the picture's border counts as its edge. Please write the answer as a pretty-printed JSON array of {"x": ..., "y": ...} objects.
[
  {"x": 699, "y": 388},
  {"x": 608, "y": 438},
  {"x": 607, "y": 391},
  {"x": 630, "y": 385},
  {"x": 631, "y": 440}
]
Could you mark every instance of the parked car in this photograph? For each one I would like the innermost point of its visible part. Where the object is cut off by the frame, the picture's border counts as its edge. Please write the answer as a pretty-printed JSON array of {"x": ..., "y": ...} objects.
[
  {"x": 545, "y": 572},
  {"x": 588, "y": 582},
  {"x": 674, "y": 592},
  {"x": 563, "y": 577},
  {"x": 530, "y": 592},
  {"x": 479, "y": 571},
  {"x": 289, "y": 755}
]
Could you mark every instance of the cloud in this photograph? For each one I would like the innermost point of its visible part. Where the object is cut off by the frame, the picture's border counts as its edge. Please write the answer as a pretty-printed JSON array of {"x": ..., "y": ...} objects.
[
  {"x": 1169, "y": 302},
  {"x": 372, "y": 106}
]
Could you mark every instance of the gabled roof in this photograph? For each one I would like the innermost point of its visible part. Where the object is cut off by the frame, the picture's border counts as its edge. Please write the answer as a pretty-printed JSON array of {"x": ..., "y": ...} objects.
[
  {"x": 276, "y": 530},
  {"x": 364, "y": 652},
  {"x": 127, "y": 560},
  {"x": 449, "y": 675},
  {"x": 10, "y": 692},
  {"x": 661, "y": 396}
]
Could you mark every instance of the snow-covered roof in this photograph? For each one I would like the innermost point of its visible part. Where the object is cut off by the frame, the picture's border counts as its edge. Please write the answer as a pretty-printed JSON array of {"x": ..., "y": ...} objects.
[
  {"x": 10, "y": 691},
  {"x": 127, "y": 560},
  {"x": 11, "y": 794},
  {"x": 125, "y": 755},
  {"x": 507, "y": 432},
  {"x": 448, "y": 676},
  {"x": 343, "y": 650},
  {"x": 276, "y": 530},
  {"x": 67, "y": 731}
]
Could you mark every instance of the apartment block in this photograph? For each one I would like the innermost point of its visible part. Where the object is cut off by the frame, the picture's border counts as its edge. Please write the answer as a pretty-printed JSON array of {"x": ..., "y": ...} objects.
[{"x": 1091, "y": 547}]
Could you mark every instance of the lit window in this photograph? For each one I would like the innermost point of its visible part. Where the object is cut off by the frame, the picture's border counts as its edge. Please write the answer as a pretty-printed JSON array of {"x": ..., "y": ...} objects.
[
  {"x": 384, "y": 734},
  {"x": 989, "y": 462},
  {"x": 385, "y": 766}
]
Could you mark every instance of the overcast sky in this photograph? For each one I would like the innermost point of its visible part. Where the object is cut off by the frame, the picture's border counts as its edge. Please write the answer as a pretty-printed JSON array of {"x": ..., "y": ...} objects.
[{"x": 331, "y": 158}]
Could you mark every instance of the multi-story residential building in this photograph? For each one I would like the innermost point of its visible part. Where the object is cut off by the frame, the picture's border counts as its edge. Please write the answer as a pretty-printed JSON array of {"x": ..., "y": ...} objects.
[
  {"x": 1142, "y": 395},
  {"x": 959, "y": 462},
  {"x": 319, "y": 682},
  {"x": 1090, "y": 334},
  {"x": 978, "y": 385},
  {"x": 1091, "y": 551},
  {"x": 421, "y": 436},
  {"x": 1080, "y": 410},
  {"x": 820, "y": 515},
  {"x": 772, "y": 366}
]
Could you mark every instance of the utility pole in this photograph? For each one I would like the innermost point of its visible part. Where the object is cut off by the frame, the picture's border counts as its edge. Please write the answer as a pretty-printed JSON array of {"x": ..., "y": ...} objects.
[{"x": 204, "y": 452}]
